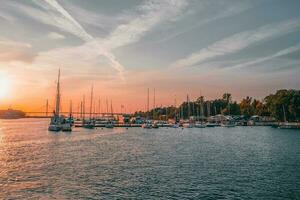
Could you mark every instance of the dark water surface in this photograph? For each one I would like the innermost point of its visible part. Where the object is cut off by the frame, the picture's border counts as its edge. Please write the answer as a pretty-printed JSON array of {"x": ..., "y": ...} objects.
[{"x": 210, "y": 163}]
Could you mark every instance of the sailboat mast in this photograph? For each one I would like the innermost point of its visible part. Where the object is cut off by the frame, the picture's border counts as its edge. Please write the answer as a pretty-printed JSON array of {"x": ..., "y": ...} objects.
[
  {"x": 106, "y": 106},
  {"x": 83, "y": 107},
  {"x": 284, "y": 115},
  {"x": 99, "y": 106},
  {"x": 148, "y": 100},
  {"x": 111, "y": 108},
  {"x": 154, "y": 99},
  {"x": 148, "y": 103},
  {"x": 153, "y": 113},
  {"x": 57, "y": 103},
  {"x": 91, "y": 105},
  {"x": 47, "y": 108},
  {"x": 188, "y": 101},
  {"x": 175, "y": 107},
  {"x": 208, "y": 109},
  {"x": 71, "y": 108}
]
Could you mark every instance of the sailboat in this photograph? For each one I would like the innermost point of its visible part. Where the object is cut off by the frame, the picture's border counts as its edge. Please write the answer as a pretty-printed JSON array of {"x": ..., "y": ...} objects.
[
  {"x": 91, "y": 123},
  {"x": 286, "y": 124},
  {"x": 110, "y": 123},
  {"x": 188, "y": 123},
  {"x": 230, "y": 123},
  {"x": 200, "y": 124},
  {"x": 58, "y": 123},
  {"x": 147, "y": 124},
  {"x": 70, "y": 119}
]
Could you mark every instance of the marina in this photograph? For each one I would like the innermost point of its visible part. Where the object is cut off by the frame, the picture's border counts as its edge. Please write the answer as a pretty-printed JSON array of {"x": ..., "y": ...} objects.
[{"x": 60, "y": 122}]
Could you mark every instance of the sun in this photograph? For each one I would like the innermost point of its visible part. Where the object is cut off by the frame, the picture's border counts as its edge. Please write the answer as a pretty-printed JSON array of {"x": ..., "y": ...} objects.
[{"x": 4, "y": 86}]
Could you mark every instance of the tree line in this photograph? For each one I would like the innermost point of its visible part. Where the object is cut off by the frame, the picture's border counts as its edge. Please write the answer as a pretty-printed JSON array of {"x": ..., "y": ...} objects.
[{"x": 283, "y": 105}]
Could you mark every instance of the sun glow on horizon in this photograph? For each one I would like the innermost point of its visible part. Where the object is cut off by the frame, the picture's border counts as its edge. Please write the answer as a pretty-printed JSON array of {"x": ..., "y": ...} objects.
[{"x": 4, "y": 86}]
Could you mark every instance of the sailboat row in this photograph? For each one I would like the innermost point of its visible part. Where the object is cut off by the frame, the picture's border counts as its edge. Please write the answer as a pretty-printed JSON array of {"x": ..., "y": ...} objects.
[{"x": 61, "y": 123}]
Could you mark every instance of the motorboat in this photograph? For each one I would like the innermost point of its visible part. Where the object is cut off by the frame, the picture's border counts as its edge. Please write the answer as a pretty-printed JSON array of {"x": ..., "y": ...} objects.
[
  {"x": 109, "y": 125},
  {"x": 155, "y": 125},
  {"x": 187, "y": 125},
  {"x": 210, "y": 124},
  {"x": 66, "y": 127},
  {"x": 228, "y": 124},
  {"x": 175, "y": 126},
  {"x": 147, "y": 125},
  {"x": 200, "y": 125},
  {"x": 54, "y": 127}
]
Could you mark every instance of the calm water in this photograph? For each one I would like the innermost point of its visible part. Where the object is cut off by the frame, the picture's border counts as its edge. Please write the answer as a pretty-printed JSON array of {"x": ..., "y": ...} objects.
[{"x": 211, "y": 163}]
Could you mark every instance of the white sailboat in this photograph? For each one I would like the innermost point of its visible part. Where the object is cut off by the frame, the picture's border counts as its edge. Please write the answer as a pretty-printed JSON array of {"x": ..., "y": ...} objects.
[
  {"x": 58, "y": 123},
  {"x": 200, "y": 124},
  {"x": 230, "y": 123},
  {"x": 147, "y": 124}
]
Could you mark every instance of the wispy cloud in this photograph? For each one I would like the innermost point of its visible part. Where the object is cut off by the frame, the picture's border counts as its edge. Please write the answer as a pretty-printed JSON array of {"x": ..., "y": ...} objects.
[
  {"x": 238, "y": 42},
  {"x": 12, "y": 51},
  {"x": 6, "y": 16},
  {"x": 54, "y": 14},
  {"x": 148, "y": 15},
  {"x": 57, "y": 16},
  {"x": 267, "y": 58},
  {"x": 96, "y": 20},
  {"x": 226, "y": 10},
  {"x": 145, "y": 17},
  {"x": 55, "y": 36}
]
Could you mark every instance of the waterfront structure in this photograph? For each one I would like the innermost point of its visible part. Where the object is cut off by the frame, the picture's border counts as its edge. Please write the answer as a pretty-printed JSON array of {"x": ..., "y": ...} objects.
[{"x": 11, "y": 114}]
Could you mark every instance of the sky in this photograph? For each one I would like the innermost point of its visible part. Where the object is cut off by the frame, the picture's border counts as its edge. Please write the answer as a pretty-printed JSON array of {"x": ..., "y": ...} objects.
[{"x": 123, "y": 47}]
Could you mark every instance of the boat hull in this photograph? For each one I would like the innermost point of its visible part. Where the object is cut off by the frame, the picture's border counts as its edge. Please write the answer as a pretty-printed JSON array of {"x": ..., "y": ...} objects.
[
  {"x": 66, "y": 128},
  {"x": 228, "y": 125},
  {"x": 200, "y": 125},
  {"x": 54, "y": 128},
  {"x": 147, "y": 126},
  {"x": 187, "y": 125},
  {"x": 88, "y": 126},
  {"x": 109, "y": 126}
]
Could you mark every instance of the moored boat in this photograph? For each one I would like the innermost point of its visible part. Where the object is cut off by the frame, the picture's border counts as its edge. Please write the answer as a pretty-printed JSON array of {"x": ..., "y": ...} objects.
[
  {"x": 200, "y": 125},
  {"x": 187, "y": 125},
  {"x": 54, "y": 127},
  {"x": 228, "y": 124},
  {"x": 147, "y": 126},
  {"x": 175, "y": 126},
  {"x": 210, "y": 125},
  {"x": 155, "y": 125},
  {"x": 58, "y": 122},
  {"x": 109, "y": 125},
  {"x": 289, "y": 125},
  {"x": 89, "y": 124},
  {"x": 66, "y": 127}
]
